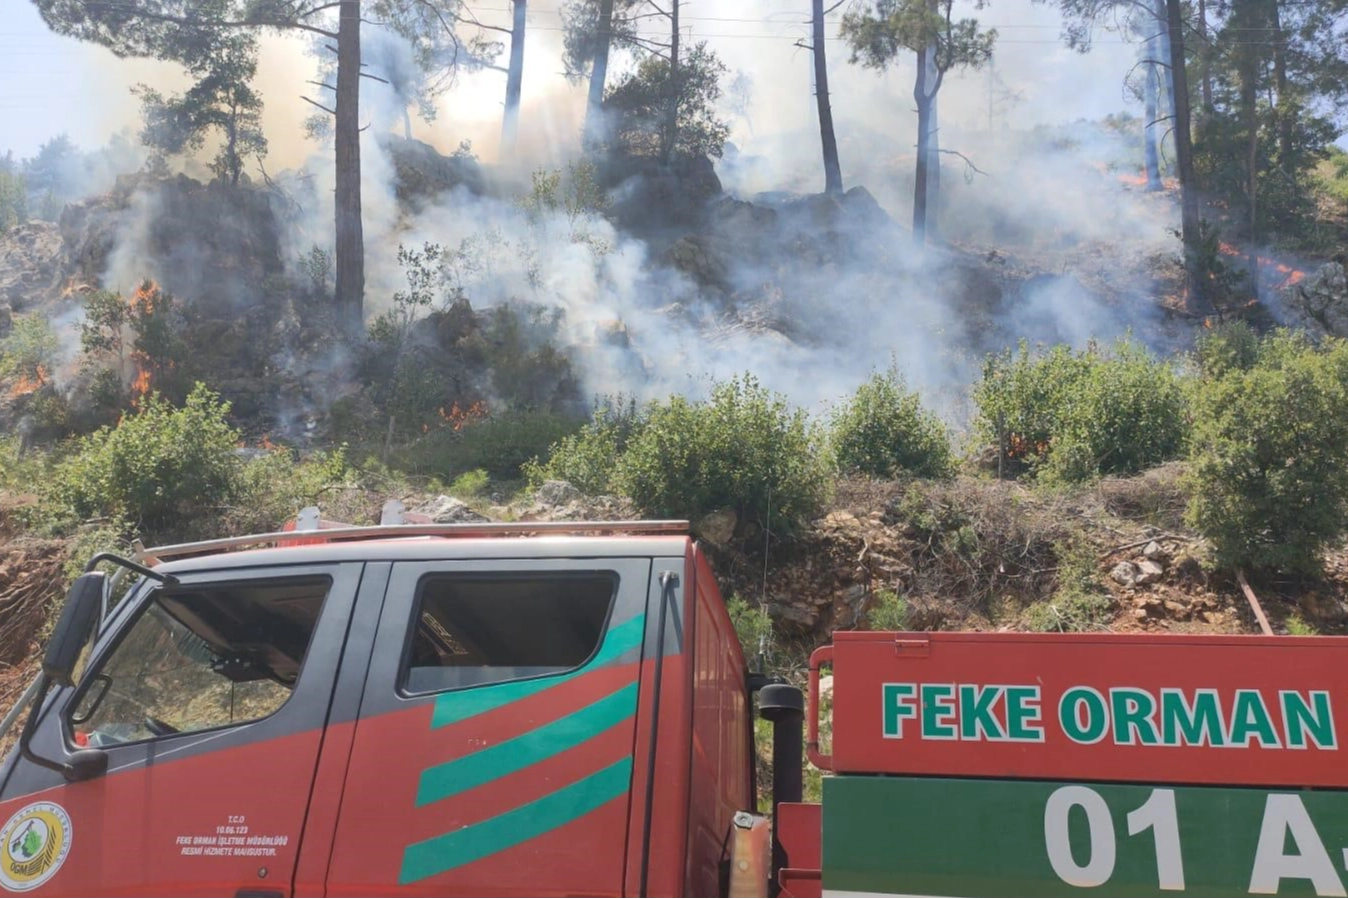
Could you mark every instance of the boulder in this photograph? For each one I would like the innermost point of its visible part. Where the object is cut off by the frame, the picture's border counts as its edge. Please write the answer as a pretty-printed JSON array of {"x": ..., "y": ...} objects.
[
  {"x": 1149, "y": 572},
  {"x": 556, "y": 493},
  {"x": 1125, "y": 573},
  {"x": 449, "y": 510},
  {"x": 1320, "y": 300},
  {"x": 1155, "y": 552},
  {"x": 717, "y": 528}
]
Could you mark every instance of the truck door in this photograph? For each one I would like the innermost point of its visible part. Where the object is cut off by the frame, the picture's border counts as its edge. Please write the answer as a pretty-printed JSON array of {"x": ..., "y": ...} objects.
[
  {"x": 210, "y": 697},
  {"x": 493, "y": 753}
]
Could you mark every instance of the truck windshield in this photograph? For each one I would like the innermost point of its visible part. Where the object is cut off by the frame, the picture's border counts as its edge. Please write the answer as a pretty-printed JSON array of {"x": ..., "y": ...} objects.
[{"x": 194, "y": 659}]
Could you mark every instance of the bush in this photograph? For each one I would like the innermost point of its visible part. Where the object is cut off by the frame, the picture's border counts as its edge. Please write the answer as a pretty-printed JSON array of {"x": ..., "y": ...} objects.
[
  {"x": 155, "y": 468},
  {"x": 501, "y": 445},
  {"x": 589, "y": 458},
  {"x": 744, "y": 448},
  {"x": 890, "y": 612},
  {"x": 1079, "y": 602},
  {"x": 1268, "y": 477},
  {"x": 1075, "y": 416},
  {"x": 883, "y": 431}
]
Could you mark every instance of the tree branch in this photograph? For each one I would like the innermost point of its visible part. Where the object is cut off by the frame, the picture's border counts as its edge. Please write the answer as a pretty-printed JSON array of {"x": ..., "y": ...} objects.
[
  {"x": 322, "y": 84},
  {"x": 967, "y": 161},
  {"x": 309, "y": 12},
  {"x": 319, "y": 105},
  {"x": 208, "y": 23},
  {"x": 372, "y": 78}
]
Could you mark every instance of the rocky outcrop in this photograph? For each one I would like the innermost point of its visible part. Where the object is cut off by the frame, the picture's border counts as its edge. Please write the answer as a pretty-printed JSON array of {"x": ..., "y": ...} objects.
[
  {"x": 1320, "y": 300},
  {"x": 32, "y": 265}
]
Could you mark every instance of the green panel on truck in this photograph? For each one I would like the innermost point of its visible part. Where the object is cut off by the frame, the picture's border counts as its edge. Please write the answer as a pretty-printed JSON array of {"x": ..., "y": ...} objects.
[{"x": 966, "y": 837}]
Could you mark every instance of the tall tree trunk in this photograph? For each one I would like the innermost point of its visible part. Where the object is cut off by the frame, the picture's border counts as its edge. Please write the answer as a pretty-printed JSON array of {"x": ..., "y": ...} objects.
[
  {"x": 933, "y": 223},
  {"x": 833, "y": 183},
  {"x": 675, "y": 88},
  {"x": 1165, "y": 105},
  {"x": 1250, "y": 112},
  {"x": 594, "y": 104},
  {"x": 407, "y": 124},
  {"x": 350, "y": 284},
  {"x": 1205, "y": 57},
  {"x": 514, "y": 80},
  {"x": 1283, "y": 109},
  {"x": 923, "y": 100},
  {"x": 1151, "y": 127},
  {"x": 1189, "y": 223}
]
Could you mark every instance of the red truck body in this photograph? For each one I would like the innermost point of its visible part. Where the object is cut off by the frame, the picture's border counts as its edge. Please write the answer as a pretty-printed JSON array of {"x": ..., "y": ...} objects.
[
  {"x": 617, "y": 775},
  {"x": 565, "y": 710}
]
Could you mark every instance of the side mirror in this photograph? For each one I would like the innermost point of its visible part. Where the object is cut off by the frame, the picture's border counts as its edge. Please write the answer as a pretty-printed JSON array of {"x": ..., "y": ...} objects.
[{"x": 79, "y": 615}]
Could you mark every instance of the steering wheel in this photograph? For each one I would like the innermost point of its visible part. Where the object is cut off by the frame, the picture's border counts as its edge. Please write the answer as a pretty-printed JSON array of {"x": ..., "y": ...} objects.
[{"x": 159, "y": 728}]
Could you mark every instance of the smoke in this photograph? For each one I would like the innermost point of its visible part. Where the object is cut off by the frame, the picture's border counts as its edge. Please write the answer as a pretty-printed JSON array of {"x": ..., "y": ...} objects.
[{"x": 809, "y": 297}]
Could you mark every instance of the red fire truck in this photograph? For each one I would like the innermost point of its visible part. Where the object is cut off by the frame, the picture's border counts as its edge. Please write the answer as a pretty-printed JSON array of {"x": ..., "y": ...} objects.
[{"x": 564, "y": 709}]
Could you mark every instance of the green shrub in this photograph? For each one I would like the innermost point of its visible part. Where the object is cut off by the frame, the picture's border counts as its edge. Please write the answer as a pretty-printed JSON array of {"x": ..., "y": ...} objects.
[
  {"x": 273, "y": 488},
  {"x": 753, "y": 627},
  {"x": 1230, "y": 345},
  {"x": 470, "y": 484},
  {"x": 1079, "y": 602},
  {"x": 744, "y": 448},
  {"x": 1268, "y": 475},
  {"x": 889, "y": 613},
  {"x": 157, "y": 467},
  {"x": 589, "y": 458},
  {"x": 883, "y": 431},
  {"x": 1075, "y": 416},
  {"x": 501, "y": 445},
  {"x": 28, "y": 350}
]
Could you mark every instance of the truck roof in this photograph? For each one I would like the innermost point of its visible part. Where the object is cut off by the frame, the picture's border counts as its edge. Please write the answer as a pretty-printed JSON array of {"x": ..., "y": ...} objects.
[{"x": 312, "y": 540}]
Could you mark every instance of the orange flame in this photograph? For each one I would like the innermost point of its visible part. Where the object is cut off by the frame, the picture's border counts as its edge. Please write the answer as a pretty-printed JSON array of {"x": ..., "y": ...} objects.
[
  {"x": 27, "y": 384},
  {"x": 458, "y": 418}
]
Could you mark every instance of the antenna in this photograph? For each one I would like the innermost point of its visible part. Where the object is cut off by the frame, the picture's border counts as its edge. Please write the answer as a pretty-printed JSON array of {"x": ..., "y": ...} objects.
[{"x": 763, "y": 590}]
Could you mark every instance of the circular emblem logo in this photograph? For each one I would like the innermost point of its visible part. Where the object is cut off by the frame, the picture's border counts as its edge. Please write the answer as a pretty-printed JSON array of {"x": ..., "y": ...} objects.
[{"x": 33, "y": 846}]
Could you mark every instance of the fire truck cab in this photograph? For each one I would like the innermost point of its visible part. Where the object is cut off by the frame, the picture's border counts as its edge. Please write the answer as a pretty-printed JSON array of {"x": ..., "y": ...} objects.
[{"x": 409, "y": 709}]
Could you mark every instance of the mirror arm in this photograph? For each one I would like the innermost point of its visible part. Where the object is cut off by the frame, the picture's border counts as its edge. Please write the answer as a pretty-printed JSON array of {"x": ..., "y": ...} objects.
[
  {"x": 80, "y": 765},
  {"x": 129, "y": 565}
]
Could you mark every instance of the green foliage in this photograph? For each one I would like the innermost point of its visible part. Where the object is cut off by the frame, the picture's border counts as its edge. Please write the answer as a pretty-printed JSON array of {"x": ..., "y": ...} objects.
[
  {"x": 317, "y": 265},
  {"x": 588, "y": 459},
  {"x": 1229, "y": 346},
  {"x": 1298, "y": 626},
  {"x": 222, "y": 101},
  {"x": 271, "y": 489},
  {"x": 583, "y": 37},
  {"x": 29, "y": 349},
  {"x": 13, "y": 194},
  {"x": 51, "y": 177},
  {"x": 1076, "y": 416},
  {"x": 883, "y": 431},
  {"x": 1079, "y": 602},
  {"x": 470, "y": 484},
  {"x": 159, "y": 466},
  {"x": 1268, "y": 474},
  {"x": 638, "y": 104},
  {"x": 500, "y": 445},
  {"x": 889, "y": 613},
  {"x": 880, "y": 31},
  {"x": 744, "y": 448},
  {"x": 753, "y": 626}
]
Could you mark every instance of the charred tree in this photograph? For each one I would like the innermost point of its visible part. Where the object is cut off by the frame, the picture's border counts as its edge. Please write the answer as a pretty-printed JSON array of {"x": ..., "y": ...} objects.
[
  {"x": 1189, "y": 222},
  {"x": 350, "y": 237},
  {"x": 514, "y": 78},
  {"x": 1151, "y": 129},
  {"x": 922, "y": 94},
  {"x": 833, "y": 183},
  {"x": 933, "y": 224},
  {"x": 1205, "y": 57},
  {"x": 594, "y": 105},
  {"x": 675, "y": 87}
]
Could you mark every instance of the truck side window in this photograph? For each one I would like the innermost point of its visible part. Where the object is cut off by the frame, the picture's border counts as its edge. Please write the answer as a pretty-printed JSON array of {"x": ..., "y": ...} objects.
[
  {"x": 471, "y": 630},
  {"x": 200, "y": 658}
]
